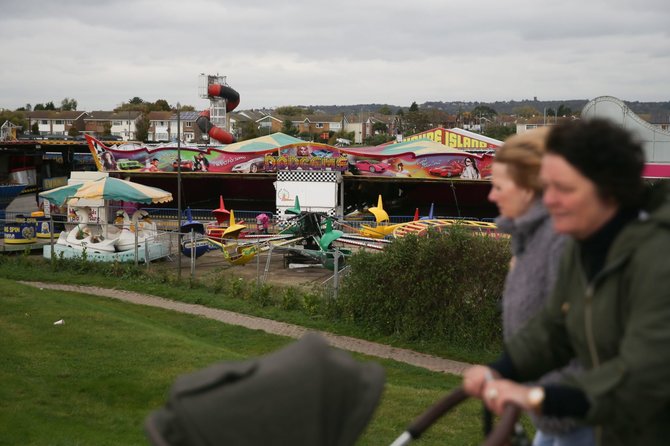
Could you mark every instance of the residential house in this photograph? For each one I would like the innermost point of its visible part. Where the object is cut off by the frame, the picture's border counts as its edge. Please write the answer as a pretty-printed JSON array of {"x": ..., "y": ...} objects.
[
  {"x": 160, "y": 128},
  {"x": 237, "y": 120},
  {"x": 189, "y": 131},
  {"x": 320, "y": 125},
  {"x": 52, "y": 122},
  {"x": 363, "y": 126},
  {"x": 120, "y": 124},
  {"x": 269, "y": 124},
  {"x": 524, "y": 124}
]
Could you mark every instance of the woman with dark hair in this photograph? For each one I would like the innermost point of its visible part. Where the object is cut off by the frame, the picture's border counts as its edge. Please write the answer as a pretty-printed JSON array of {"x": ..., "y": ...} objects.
[
  {"x": 108, "y": 161},
  {"x": 201, "y": 163},
  {"x": 470, "y": 172},
  {"x": 611, "y": 306}
]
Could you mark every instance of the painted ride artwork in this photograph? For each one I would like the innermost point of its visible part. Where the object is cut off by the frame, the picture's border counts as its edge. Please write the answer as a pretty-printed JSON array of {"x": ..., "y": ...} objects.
[
  {"x": 422, "y": 158},
  {"x": 264, "y": 154},
  {"x": 372, "y": 166},
  {"x": 15, "y": 232},
  {"x": 452, "y": 169},
  {"x": 251, "y": 166}
]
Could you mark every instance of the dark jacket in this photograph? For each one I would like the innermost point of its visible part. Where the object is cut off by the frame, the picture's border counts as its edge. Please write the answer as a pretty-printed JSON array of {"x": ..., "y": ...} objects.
[{"x": 618, "y": 326}]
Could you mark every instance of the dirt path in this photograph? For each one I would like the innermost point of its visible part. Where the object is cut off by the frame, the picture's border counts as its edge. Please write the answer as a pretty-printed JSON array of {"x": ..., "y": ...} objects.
[{"x": 429, "y": 362}]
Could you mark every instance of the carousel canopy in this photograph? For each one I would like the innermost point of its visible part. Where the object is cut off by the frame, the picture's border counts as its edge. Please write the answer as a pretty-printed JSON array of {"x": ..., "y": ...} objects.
[
  {"x": 417, "y": 147},
  {"x": 266, "y": 143}
]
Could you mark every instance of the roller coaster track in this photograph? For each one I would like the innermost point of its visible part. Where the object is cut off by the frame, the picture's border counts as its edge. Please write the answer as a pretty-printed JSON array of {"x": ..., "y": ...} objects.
[{"x": 656, "y": 141}]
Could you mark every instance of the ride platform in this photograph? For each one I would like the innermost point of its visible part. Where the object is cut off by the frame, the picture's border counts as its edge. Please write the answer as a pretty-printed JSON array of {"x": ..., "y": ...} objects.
[{"x": 145, "y": 253}]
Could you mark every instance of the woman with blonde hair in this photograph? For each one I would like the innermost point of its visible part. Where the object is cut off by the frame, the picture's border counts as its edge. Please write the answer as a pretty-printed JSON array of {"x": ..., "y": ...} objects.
[{"x": 536, "y": 248}]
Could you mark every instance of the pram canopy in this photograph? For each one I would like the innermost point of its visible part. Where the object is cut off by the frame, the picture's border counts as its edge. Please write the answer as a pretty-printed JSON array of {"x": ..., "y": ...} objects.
[{"x": 304, "y": 394}]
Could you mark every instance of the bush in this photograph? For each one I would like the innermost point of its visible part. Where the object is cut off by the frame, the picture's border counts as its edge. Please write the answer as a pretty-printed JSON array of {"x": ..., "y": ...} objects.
[{"x": 445, "y": 286}]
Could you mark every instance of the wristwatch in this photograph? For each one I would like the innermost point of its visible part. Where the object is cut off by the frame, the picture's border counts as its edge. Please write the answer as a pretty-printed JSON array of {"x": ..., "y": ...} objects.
[{"x": 535, "y": 399}]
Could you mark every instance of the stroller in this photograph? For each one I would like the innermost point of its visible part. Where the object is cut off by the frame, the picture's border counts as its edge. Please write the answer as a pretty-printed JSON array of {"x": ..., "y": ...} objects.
[
  {"x": 325, "y": 397},
  {"x": 305, "y": 394}
]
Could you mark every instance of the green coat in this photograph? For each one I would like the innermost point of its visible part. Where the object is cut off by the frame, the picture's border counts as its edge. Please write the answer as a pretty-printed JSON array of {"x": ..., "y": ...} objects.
[{"x": 618, "y": 326}]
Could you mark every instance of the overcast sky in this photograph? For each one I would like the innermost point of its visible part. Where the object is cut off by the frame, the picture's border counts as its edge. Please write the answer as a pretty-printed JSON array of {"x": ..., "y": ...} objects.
[{"x": 343, "y": 52}]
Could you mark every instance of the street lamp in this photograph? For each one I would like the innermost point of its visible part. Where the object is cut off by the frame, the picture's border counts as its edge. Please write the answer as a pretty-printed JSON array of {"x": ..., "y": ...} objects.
[{"x": 179, "y": 188}]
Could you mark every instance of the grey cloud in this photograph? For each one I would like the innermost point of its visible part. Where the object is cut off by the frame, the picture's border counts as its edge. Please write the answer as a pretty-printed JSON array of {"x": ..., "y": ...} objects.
[{"x": 312, "y": 51}]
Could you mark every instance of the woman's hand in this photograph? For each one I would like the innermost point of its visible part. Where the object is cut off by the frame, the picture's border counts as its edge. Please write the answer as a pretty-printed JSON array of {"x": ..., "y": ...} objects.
[
  {"x": 475, "y": 378},
  {"x": 497, "y": 393}
]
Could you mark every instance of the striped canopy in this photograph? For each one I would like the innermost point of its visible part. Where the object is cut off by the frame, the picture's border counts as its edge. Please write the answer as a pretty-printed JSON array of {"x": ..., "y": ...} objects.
[
  {"x": 267, "y": 143},
  {"x": 108, "y": 188},
  {"x": 417, "y": 147}
]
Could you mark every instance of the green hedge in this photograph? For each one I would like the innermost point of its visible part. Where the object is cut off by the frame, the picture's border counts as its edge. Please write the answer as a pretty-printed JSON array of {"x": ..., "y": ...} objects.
[{"x": 443, "y": 286}]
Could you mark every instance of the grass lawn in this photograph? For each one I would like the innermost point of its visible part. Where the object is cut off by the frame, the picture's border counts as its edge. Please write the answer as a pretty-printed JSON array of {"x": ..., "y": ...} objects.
[
  {"x": 93, "y": 380},
  {"x": 220, "y": 291}
]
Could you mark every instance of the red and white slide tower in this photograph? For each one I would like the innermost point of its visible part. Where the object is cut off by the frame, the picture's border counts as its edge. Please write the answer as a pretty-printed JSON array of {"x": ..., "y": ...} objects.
[{"x": 222, "y": 100}]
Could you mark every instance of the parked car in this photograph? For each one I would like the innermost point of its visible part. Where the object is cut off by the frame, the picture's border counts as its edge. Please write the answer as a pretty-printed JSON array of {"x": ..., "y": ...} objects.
[
  {"x": 250, "y": 166},
  {"x": 451, "y": 169},
  {"x": 372, "y": 166},
  {"x": 126, "y": 164}
]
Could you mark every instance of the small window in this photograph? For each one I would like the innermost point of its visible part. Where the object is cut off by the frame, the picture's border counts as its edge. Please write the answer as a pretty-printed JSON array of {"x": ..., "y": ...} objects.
[
  {"x": 58, "y": 122},
  {"x": 116, "y": 123}
]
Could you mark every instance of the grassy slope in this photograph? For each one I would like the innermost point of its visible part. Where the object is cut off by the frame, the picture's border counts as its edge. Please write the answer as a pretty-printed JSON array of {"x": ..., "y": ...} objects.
[
  {"x": 94, "y": 379},
  {"x": 30, "y": 268}
]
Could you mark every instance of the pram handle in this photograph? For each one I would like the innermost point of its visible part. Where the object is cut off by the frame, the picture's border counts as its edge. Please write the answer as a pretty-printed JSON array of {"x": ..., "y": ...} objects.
[
  {"x": 500, "y": 434},
  {"x": 503, "y": 430},
  {"x": 426, "y": 419}
]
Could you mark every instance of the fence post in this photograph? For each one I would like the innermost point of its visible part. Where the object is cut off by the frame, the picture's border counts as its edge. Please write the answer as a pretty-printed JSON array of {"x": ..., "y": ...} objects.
[
  {"x": 51, "y": 237},
  {"x": 336, "y": 278},
  {"x": 258, "y": 263},
  {"x": 192, "y": 253},
  {"x": 137, "y": 254},
  {"x": 267, "y": 263},
  {"x": 179, "y": 248}
]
